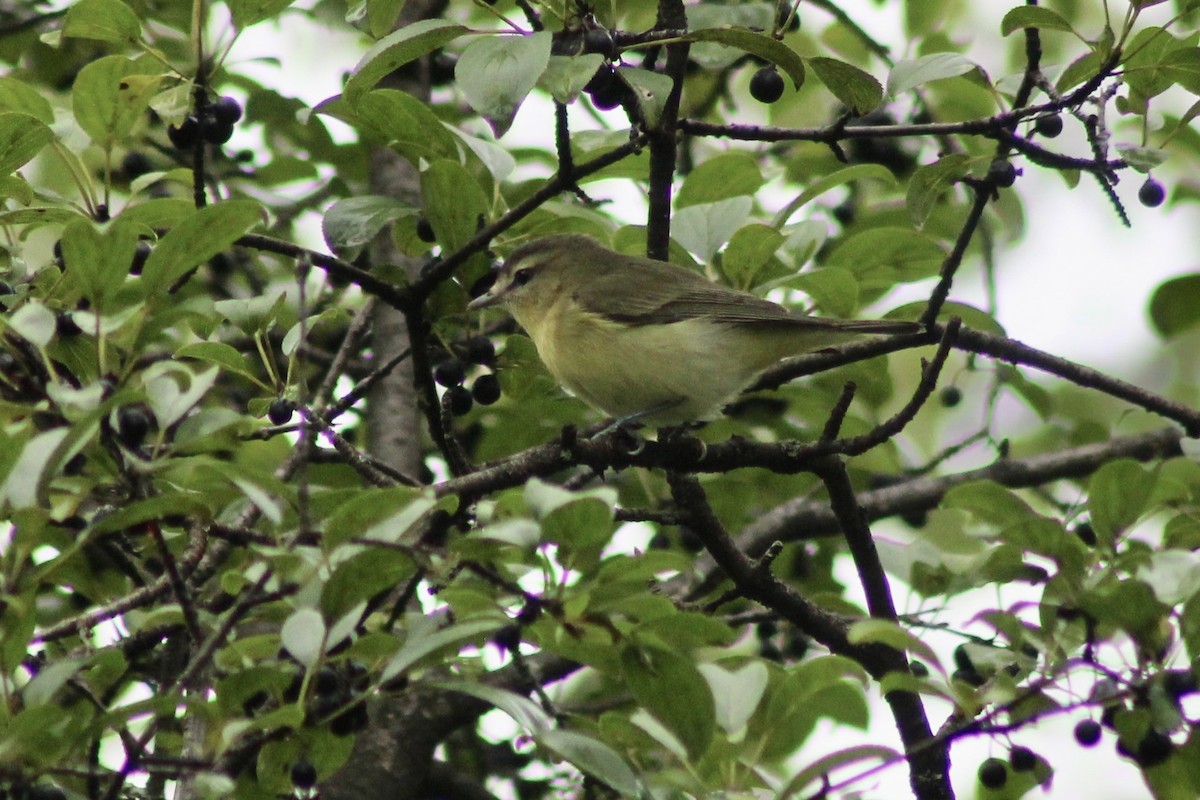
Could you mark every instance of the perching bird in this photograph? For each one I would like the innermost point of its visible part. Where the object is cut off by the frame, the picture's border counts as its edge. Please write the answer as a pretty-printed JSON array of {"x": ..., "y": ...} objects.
[{"x": 647, "y": 341}]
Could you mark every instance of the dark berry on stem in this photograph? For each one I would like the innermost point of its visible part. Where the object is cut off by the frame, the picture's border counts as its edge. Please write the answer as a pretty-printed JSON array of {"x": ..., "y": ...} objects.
[
  {"x": 486, "y": 389},
  {"x": 326, "y": 682},
  {"x": 218, "y": 132},
  {"x": 1049, "y": 126},
  {"x": 1002, "y": 173},
  {"x": 1154, "y": 749},
  {"x": 1087, "y": 732},
  {"x": 1152, "y": 194},
  {"x": 993, "y": 773},
  {"x": 280, "y": 410},
  {"x": 767, "y": 85},
  {"x": 226, "y": 110},
  {"x": 65, "y": 325},
  {"x": 459, "y": 401},
  {"x": 951, "y": 396},
  {"x": 449, "y": 373},
  {"x": 425, "y": 230},
  {"x": 479, "y": 350},
  {"x": 186, "y": 134},
  {"x": 132, "y": 425},
  {"x": 303, "y": 774},
  {"x": 135, "y": 164},
  {"x": 1086, "y": 534}
]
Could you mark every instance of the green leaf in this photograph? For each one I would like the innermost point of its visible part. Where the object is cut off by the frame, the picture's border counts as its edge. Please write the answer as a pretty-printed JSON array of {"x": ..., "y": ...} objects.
[
  {"x": 883, "y": 257},
  {"x": 827, "y": 764},
  {"x": 16, "y": 95},
  {"x": 1175, "y": 305},
  {"x": 103, "y": 20},
  {"x": 592, "y": 757},
  {"x": 1033, "y": 17},
  {"x": 249, "y": 12},
  {"x": 856, "y": 89},
  {"x": 756, "y": 44},
  {"x": 111, "y": 95},
  {"x": 303, "y": 635},
  {"x": 385, "y": 514},
  {"x": 748, "y": 251},
  {"x": 565, "y": 76},
  {"x": 526, "y": 713},
  {"x": 858, "y": 172},
  {"x": 703, "y": 229},
  {"x": 671, "y": 688},
  {"x": 353, "y": 222},
  {"x": 195, "y": 240},
  {"x": 931, "y": 181},
  {"x": 398, "y": 119},
  {"x": 99, "y": 262},
  {"x": 219, "y": 353},
  {"x": 1118, "y": 494},
  {"x": 833, "y": 290},
  {"x": 21, "y": 138},
  {"x": 737, "y": 693},
  {"x": 720, "y": 177},
  {"x": 454, "y": 203},
  {"x": 495, "y": 73},
  {"x": 881, "y": 631},
  {"x": 397, "y": 49},
  {"x": 650, "y": 89},
  {"x": 911, "y": 73}
]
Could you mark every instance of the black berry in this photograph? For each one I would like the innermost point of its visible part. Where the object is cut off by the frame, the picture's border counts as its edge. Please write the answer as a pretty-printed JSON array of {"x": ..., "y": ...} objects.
[
  {"x": 350, "y": 721},
  {"x": 1154, "y": 749},
  {"x": 327, "y": 681},
  {"x": 1022, "y": 759},
  {"x": 486, "y": 389},
  {"x": 226, "y": 110},
  {"x": 459, "y": 401},
  {"x": 598, "y": 40},
  {"x": 186, "y": 134},
  {"x": 1180, "y": 682},
  {"x": 140, "y": 254},
  {"x": 951, "y": 396},
  {"x": 132, "y": 425},
  {"x": 1002, "y": 173},
  {"x": 918, "y": 669},
  {"x": 441, "y": 69},
  {"x": 280, "y": 410},
  {"x": 216, "y": 132},
  {"x": 479, "y": 350},
  {"x": 1086, "y": 533},
  {"x": 508, "y": 638},
  {"x": 65, "y": 325},
  {"x": 135, "y": 164},
  {"x": 449, "y": 373},
  {"x": 993, "y": 773},
  {"x": 303, "y": 774},
  {"x": 1152, "y": 194},
  {"x": 767, "y": 85},
  {"x": 606, "y": 89},
  {"x": 1087, "y": 732},
  {"x": 425, "y": 230},
  {"x": 1049, "y": 127}
]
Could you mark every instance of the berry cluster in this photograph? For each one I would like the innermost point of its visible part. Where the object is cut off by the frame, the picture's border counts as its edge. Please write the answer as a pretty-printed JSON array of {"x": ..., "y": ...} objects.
[
  {"x": 213, "y": 122},
  {"x": 450, "y": 372}
]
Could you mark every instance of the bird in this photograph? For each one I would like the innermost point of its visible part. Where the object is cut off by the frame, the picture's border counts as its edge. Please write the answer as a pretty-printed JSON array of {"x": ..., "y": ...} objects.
[{"x": 648, "y": 342}]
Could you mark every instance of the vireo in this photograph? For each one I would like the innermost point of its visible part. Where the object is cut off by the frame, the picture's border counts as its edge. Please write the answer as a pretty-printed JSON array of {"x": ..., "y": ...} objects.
[{"x": 649, "y": 341}]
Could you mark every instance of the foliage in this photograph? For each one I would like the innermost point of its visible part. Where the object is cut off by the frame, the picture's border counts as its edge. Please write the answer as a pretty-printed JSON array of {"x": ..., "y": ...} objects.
[{"x": 207, "y": 579}]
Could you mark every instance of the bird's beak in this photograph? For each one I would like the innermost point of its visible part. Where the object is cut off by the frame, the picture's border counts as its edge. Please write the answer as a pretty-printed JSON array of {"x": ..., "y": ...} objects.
[{"x": 486, "y": 300}]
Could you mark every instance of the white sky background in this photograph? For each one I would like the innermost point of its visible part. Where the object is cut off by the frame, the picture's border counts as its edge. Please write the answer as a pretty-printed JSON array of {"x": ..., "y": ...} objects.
[{"x": 1076, "y": 285}]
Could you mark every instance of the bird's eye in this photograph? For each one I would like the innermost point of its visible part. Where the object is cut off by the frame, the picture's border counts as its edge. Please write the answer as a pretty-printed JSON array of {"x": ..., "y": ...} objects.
[{"x": 522, "y": 276}]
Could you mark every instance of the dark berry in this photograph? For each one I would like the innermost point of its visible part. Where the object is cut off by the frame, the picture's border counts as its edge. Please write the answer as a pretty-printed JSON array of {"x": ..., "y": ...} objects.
[
  {"x": 606, "y": 89},
  {"x": 598, "y": 40},
  {"x": 1086, "y": 533},
  {"x": 186, "y": 134},
  {"x": 425, "y": 230},
  {"x": 226, "y": 110},
  {"x": 1152, "y": 194},
  {"x": 1108, "y": 717},
  {"x": 479, "y": 350},
  {"x": 1002, "y": 173},
  {"x": 459, "y": 401},
  {"x": 303, "y": 774},
  {"x": 326, "y": 682},
  {"x": 968, "y": 676},
  {"x": 65, "y": 325},
  {"x": 486, "y": 389},
  {"x": 75, "y": 464},
  {"x": 1179, "y": 682},
  {"x": 101, "y": 214},
  {"x": 951, "y": 396},
  {"x": 788, "y": 19},
  {"x": 441, "y": 69},
  {"x": 918, "y": 669},
  {"x": 1087, "y": 732},
  {"x": 449, "y": 373},
  {"x": 280, "y": 411},
  {"x": 243, "y": 156},
  {"x": 1022, "y": 759},
  {"x": 135, "y": 164},
  {"x": 508, "y": 638},
  {"x": 140, "y": 254},
  {"x": 350, "y": 721},
  {"x": 217, "y": 132},
  {"x": 132, "y": 425},
  {"x": 767, "y": 85},
  {"x": 1049, "y": 126},
  {"x": 1154, "y": 749},
  {"x": 993, "y": 773}
]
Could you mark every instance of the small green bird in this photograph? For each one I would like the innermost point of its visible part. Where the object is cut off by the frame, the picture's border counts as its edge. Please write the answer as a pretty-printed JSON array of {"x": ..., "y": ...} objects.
[{"x": 649, "y": 341}]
